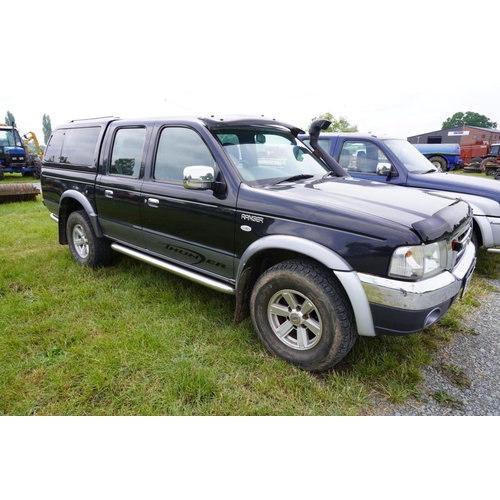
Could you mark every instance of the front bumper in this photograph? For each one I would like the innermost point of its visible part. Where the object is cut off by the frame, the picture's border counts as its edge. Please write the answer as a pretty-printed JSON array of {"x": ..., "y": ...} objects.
[{"x": 400, "y": 307}]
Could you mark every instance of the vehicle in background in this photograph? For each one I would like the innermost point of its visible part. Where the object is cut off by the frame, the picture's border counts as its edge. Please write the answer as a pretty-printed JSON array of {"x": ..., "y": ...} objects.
[
  {"x": 14, "y": 155},
  {"x": 481, "y": 157},
  {"x": 443, "y": 156},
  {"x": 395, "y": 161}
]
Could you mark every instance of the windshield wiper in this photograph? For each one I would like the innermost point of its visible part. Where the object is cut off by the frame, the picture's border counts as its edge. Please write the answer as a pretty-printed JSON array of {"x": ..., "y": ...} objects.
[
  {"x": 431, "y": 171},
  {"x": 331, "y": 173},
  {"x": 297, "y": 177}
]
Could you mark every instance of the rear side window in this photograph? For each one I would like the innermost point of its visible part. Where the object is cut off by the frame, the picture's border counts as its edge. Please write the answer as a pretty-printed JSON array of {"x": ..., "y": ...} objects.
[
  {"x": 76, "y": 146},
  {"x": 127, "y": 152}
]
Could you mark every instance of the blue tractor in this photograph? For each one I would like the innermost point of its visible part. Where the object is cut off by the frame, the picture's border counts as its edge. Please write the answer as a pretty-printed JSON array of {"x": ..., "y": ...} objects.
[{"x": 14, "y": 155}]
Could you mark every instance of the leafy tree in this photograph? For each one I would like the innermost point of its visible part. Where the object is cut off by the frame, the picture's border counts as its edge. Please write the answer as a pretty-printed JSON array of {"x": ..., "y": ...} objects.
[
  {"x": 9, "y": 119},
  {"x": 469, "y": 118},
  {"x": 47, "y": 128},
  {"x": 337, "y": 125}
]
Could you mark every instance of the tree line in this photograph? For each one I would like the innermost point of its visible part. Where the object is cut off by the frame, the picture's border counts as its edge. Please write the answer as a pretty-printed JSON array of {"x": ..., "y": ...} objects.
[
  {"x": 46, "y": 124},
  {"x": 459, "y": 119}
]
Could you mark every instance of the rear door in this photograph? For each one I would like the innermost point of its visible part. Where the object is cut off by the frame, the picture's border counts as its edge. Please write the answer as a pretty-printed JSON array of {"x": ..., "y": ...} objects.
[{"x": 118, "y": 189}]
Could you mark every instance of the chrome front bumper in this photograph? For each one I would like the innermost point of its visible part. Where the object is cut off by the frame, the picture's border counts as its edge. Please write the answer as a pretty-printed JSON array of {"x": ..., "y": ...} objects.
[{"x": 420, "y": 295}]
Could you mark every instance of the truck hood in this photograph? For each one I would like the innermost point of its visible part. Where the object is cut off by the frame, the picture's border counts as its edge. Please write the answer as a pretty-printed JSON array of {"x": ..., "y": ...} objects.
[
  {"x": 14, "y": 150},
  {"x": 456, "y": 184},
  {"x": 430, "y": 215}
]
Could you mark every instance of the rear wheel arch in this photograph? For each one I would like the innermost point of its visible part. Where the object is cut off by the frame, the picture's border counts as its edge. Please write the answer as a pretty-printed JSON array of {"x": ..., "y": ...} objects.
[{"x": 70, "y": 202}]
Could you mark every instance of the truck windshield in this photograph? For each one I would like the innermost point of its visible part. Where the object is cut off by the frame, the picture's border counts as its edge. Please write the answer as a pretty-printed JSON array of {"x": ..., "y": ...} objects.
[
  {"x": 9, "y": 137},
  {"x": 408, "y": 154},
  {"x": 268, "y": 156}
]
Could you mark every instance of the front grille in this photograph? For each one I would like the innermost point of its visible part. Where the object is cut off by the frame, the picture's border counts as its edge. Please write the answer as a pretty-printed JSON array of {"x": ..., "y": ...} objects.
[{"x": 459, "y": 242}]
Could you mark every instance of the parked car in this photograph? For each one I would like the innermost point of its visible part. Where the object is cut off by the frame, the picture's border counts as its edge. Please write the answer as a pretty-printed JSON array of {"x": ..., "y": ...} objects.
[
  {"x": 443, "y": 156},
  {"x": 395, "y": 161}
]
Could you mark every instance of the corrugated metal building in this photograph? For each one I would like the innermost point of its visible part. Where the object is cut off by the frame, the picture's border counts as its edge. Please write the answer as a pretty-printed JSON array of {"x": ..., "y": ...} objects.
[{"x": 464, "y": 135}]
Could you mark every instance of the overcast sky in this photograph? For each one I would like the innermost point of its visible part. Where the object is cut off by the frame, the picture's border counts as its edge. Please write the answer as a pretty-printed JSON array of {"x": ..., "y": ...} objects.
[{"x": 390, "y": 67}]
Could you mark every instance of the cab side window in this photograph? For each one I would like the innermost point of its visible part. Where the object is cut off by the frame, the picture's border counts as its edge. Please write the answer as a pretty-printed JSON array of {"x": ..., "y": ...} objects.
[
  {"x": 127, "y": 152},
  {"x": 363, "y": 157},
  {"x": 179, "y": 148}
]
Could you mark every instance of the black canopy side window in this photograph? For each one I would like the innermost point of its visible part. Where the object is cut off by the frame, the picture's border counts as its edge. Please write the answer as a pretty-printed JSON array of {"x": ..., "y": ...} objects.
[
  {"x": 53, "y": 150},
  {"x": 75, "y": 146},
  {"x": 79, "y": 146}
]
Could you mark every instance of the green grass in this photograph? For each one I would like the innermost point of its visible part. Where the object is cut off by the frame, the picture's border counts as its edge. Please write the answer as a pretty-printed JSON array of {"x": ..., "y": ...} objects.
[
  {"x": 16, "y": 178},
  {"x": 132, "y": 340},
  {"x": 475, "y": 174}
]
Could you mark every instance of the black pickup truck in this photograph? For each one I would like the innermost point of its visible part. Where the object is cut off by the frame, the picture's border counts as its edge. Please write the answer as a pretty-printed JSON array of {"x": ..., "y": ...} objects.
[{"x": 240, "y": 205}]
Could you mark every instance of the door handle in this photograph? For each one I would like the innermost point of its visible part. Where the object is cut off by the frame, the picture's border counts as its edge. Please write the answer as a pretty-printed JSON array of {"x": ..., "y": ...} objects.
[
  {"x": 153, "y": 202},
  {"x": 108, "y": 193}
]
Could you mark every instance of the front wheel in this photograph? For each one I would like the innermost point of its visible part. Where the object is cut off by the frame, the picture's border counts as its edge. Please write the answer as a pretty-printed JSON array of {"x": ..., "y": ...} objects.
[
  {"x": 302, "y": 314},
  {"x": 85, "y": 246}
]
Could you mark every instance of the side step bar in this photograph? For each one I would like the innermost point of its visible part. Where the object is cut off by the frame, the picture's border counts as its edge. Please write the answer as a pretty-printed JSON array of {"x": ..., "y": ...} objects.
[{"x": 179, "y": 271}]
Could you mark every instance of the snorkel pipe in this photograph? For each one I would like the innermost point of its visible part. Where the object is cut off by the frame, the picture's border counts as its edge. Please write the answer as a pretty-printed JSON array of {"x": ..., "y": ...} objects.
[{"x": 314, "y": 130}]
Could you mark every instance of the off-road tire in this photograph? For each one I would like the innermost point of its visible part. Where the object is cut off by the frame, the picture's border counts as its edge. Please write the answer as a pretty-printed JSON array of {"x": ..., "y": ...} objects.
[
  {"x": 440, "y": 163},
  {"x": 473, "y": 170},
  {"x": 302, "y": 314},
  {"x": 38, "y": 168},
  {"x": 85, "y": 247},
  {"x": 476, "y": 238}
]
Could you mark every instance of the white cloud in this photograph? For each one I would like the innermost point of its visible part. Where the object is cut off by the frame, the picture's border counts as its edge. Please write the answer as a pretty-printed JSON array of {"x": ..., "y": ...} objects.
[{"x": 388, "y": 66}]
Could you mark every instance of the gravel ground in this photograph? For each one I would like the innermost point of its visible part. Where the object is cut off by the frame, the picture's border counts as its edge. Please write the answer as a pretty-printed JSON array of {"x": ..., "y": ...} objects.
[{"x": 464, "y": 377}]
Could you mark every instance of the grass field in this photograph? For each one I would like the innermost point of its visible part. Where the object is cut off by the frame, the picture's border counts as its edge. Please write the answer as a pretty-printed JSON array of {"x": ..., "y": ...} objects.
[
  {"x": 133, "y": 340},
  {"x": 16, "y": 178}
]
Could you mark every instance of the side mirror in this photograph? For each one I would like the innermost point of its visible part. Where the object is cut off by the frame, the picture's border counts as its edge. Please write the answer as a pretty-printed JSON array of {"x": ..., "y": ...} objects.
[
  {"x": 388, "y": 170},
  {"x": 198, "y": 177}
]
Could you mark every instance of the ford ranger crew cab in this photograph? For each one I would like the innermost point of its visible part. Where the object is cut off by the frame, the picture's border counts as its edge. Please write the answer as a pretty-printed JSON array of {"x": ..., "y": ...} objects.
[{"x": 239, "y": 204}]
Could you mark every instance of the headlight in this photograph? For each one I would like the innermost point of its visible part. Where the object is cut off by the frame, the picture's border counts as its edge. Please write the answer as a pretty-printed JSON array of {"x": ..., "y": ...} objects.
[{"x": 417, "y": 262}]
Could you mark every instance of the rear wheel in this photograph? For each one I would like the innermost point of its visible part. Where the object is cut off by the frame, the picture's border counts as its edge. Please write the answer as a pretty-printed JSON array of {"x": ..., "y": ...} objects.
[
  {"x": 38, "y": 168},
  {"x": 439, "y": 163},
  {"x": 85, "y": 246},
  {"x": 302, "y": 314}
]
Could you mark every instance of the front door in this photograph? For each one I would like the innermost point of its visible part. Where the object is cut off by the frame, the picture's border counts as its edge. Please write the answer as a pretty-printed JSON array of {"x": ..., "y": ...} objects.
[{"x": 192, "y": 227}]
